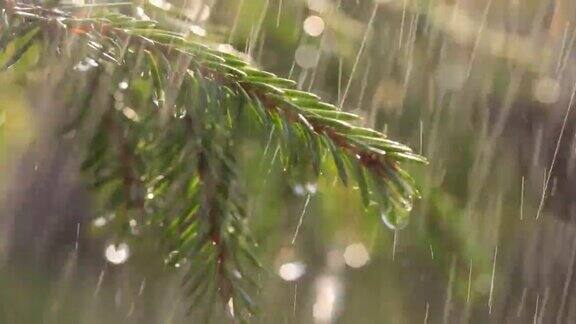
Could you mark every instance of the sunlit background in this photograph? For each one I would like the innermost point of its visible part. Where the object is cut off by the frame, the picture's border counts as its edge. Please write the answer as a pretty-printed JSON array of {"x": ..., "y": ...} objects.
[{"x": 482, "y": 88}]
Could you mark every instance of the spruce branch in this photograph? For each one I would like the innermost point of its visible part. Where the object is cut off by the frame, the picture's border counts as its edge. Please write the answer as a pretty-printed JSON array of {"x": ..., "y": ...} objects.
[{"x": 164, "y": 149}]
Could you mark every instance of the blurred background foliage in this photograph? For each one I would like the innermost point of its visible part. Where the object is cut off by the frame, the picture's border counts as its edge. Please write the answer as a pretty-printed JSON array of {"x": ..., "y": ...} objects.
[{"x": 480, "y": 87}]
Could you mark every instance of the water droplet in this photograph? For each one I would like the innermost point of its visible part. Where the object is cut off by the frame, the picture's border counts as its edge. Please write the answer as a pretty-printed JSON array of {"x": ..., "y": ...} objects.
[
  {"x": 407, "y": 204},
  {"x": 100, "y": 221},
  {"x": 180, "y": 263},
  {"x": 311, "y": 187},
  {"x": 123, "y": 85},
  {"x": 314, "y": 26},
  {"x": 356, "y": 255},
  {"x": 175, "y": 259},
  {"x": 292, "y": 271},
  {"x": 394, "y": 219},
  {"x": 117, "y": 253},
  {"x": 86, "y": 64},
  {"x": 299, "y": 190},
  {"x": 155, "y": 101},
  {"x": 180, "y": 113},
  {"x": 303, "y": 189}
]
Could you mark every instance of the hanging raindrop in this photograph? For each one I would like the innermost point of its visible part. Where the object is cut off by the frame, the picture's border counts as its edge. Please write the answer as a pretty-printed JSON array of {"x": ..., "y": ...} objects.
[
  {"x": 85, "y": 65},
  {"x": 123, "y": 85},
  {"x": 394, "y": 219},
  {"x": 292, "y": 271},
  {"x": 175, "y": 259},
  {"x": 407, "y": 204},
  {"x": 117, "y": 253}
]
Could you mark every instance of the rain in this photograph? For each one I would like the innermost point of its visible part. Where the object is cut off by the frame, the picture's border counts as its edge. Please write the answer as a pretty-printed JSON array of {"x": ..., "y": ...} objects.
[{"x": 483, "y": 89}]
